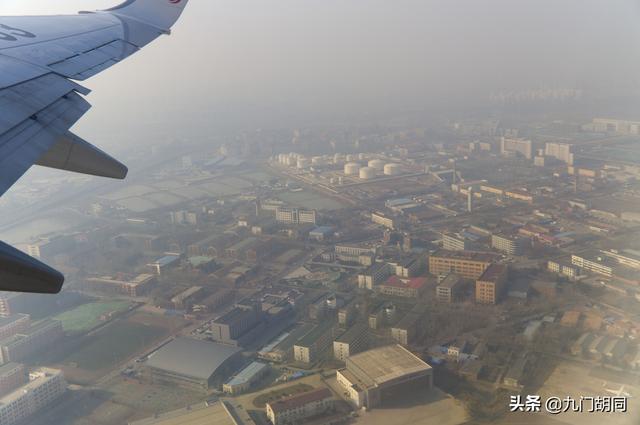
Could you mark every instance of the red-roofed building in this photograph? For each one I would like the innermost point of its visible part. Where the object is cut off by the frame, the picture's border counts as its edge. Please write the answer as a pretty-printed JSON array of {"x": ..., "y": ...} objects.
[
  {"x": 401, "y": 287},
  {"x": 296, "y": 408}
]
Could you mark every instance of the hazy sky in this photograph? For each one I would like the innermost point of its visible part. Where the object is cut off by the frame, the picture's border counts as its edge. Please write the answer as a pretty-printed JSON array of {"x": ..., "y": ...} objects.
[{"x": 227, "y": 57}]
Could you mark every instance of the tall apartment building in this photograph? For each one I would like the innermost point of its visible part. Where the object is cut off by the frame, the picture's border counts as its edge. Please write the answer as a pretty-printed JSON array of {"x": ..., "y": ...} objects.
[
  {"x": 346, "y": 252},
  {"x": 295, "y": 216},
  {"x": 510, "y": 245},
  {"x": 455, "y": 242},
  {"x": 623, "y": 127},
  {"x": 561, "y": 151},
  {"x": 295, "y": 409},
  {"x": 14, "y": 324},
  {"x": 351, "y": 342},
  {"x": 491, "y": 286},
  {"x": 12, "y": 376},
  {"x": 511, "y": 146},
  {"x": 467, "y": 264},
  {"x": 23, "y": 345},
  {"x": 560, "y": 267},
  {"x": 44, "y": 387}
]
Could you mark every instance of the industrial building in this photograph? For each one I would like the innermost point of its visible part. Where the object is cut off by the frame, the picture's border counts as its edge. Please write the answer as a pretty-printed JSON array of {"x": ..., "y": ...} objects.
[
  {"x": 136, "y": 287},
  {"x": 351, "y": 342},
  {"x": 192, "y": 363},
  {"x": 186, "y": 298},
  {"x": 295, "y": 409},
  {"x": 467, "y": 264},
  {"x": 449, "y": 289},
  {"x": 491, "y": 286},
  {"x": 281, "y": 349},
  {"x": 44, "y": 387},
  {"x": 373, "y": 376},
  {"x": 246, "y": 378}
]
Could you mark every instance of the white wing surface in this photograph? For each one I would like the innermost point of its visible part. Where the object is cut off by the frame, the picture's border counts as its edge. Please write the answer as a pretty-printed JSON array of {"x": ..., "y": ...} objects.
[{"x": 41, "y": 58}]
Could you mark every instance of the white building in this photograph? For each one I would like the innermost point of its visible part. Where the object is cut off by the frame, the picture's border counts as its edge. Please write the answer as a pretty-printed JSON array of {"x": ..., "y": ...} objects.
[{"x": 45, "y": 386}]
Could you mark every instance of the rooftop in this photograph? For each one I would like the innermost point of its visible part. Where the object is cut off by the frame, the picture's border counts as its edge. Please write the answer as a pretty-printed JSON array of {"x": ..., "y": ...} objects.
[
  {"x": 247, "y": 373},
  {"x": 450, "y": 281},
  {"x": 493, "y": 273},
  {"x": 413, "y": 283},
  {"x": 384, "y": 364},
  {"x": 191, "y": 357},
  {"x": 166, "y": 260},
  {"x": 354, "y": 332},
  {"x": 311, "y": 337},
  {"x": 465, "y": 255},
  {"x": 296, "y": 401}
]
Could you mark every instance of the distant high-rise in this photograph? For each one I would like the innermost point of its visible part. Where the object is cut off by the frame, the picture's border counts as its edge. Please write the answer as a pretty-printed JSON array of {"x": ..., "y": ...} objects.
[
  {"x": 560, "y": 151},
  {"x": 511, "y": 146}
]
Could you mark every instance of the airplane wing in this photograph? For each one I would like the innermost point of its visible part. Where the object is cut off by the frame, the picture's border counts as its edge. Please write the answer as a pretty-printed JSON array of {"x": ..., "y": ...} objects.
[{"x": 41, "y": 60}]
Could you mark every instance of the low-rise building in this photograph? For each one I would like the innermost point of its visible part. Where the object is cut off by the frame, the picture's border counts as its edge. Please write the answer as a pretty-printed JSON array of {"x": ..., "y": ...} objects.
[
  {"x": 23, "y": 345},
  {"x": 383, "y": 220},
  {"x": 44, "y": 387},
  {"x": 246, "y": 378},
  {"x": 164, "y": 263},
  {"x": 449, "y": 289},
  {"x": 563, "y": 268},
  {"x": 491, "y": 286},
  {"x": 138, "y": 286},
  {"x": 455, "y": 242},
  {"x": 12, "y": 376},
  {"x": 399, "y": 287},
  {"x": 307, "y": 349},
  {"x": 351, "y": 342},
  {"x": 510, "y": 245},
  {"x": 466, "y": 264},
  {"x": 408, "y": 268},
  {"x": 593, "y": 262},
  {"x": 375, "y": 274},
  {"x": 295, "y": 409},
  {"x": 296, "y": 216},
  {"x": 408, "y": 328}
]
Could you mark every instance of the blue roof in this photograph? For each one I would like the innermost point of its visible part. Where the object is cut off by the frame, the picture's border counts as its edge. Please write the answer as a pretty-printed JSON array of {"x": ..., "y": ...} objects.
[
  {"x": 321, "y": 230},
  {"x": 246, "y": 374}
]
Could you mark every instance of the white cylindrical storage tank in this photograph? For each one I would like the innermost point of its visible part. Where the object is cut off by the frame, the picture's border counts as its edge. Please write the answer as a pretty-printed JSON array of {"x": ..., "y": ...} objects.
[
  {"x": 303, "y": 163},
  {"x": 367, "y": 173},
  {"x": 392, "y": 170},
  {"x": 376, "y": 164},
  {"x": 351, "y": 169}
]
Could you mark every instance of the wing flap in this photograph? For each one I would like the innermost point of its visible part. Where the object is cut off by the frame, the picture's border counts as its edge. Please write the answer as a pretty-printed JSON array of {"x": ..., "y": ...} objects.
[{"x": 72, "y": 153}]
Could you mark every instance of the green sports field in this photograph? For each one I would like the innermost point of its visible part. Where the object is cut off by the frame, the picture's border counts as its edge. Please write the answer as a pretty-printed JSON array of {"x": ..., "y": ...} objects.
[{"x": 87, "y": 316}]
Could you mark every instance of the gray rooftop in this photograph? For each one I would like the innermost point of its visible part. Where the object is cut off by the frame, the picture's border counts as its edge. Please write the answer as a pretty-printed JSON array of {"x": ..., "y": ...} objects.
[{"x": 191, "y": 357}]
